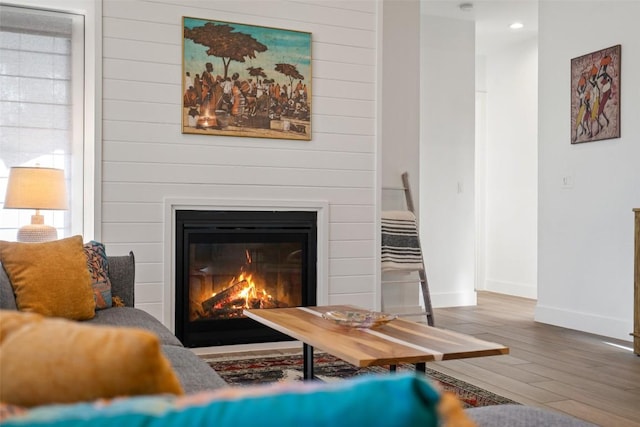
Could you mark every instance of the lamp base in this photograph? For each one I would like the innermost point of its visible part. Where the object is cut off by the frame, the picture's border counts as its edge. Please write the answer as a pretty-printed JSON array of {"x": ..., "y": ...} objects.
[{"x": 36, "y": 233}]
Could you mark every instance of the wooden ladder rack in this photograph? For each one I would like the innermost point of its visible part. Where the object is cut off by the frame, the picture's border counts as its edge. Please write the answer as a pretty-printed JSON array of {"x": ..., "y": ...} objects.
[{"x": 424, "y": 284}]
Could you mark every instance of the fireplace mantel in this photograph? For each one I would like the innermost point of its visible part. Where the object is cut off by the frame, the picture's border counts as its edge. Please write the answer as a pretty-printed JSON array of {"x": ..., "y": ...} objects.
[{"x": 171, "y": 205}]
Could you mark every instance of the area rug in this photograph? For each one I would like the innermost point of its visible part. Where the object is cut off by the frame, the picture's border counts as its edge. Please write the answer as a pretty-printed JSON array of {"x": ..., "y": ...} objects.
[{"x": 251, "y": 370}]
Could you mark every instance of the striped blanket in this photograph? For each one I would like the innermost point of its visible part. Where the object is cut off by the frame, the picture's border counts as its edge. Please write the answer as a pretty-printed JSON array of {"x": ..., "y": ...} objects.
[{"x": 400, "y": 242}]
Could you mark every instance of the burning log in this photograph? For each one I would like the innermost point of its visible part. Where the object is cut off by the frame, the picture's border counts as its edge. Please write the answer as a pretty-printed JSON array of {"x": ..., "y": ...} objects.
[
  {"x": 270, "y": 304},
  {"x": 195, "y": 311},
  {"x": 224, "y": 297},
  {"x": 254, "y": 303},
  {"x": 266, "y": 303},
  {"x": 274, "y": 303},
  {"x": 236, "y": 303},
  {"x": 225, "y": 313}
]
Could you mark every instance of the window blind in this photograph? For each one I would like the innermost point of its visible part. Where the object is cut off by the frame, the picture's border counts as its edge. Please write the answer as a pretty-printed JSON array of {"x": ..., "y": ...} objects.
[{"x": 36, "y": 104}]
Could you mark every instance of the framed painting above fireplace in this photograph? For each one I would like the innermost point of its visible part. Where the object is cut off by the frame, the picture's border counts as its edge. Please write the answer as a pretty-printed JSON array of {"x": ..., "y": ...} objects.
[{"x": 245, "y": 80}]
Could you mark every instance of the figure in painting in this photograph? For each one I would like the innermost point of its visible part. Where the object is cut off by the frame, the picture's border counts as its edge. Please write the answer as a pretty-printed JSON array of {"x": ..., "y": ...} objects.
[
  {"x": 190, "y": 96},
  {"x": 595, "y": 99},
  {"x": 207, "y": 101},
  {"x": 581, "y": 91},
  {"x": 197, "y": 85},
  {"x": 604, "y": 82}
]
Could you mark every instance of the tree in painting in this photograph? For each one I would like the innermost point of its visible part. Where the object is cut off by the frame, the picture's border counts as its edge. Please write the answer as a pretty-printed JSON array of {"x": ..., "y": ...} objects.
[
  {"x": 290, "y": 71},
  {"x": 224, "y": 43},
  {"x": 256, "y": 72}
]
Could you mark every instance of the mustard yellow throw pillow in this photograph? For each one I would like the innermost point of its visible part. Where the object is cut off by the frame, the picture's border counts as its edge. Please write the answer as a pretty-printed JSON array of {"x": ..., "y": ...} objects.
[
  {"x": 45, "y": 360},
  {"x": 50, "y": 278}
]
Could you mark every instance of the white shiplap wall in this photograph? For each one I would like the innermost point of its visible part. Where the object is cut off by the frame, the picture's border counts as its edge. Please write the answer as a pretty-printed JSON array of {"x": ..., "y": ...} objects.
[{"x": 146, "y": 158}]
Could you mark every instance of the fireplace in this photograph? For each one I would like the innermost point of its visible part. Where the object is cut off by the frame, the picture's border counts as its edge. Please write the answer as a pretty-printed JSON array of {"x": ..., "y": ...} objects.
[{"x": 227, "y": 261}]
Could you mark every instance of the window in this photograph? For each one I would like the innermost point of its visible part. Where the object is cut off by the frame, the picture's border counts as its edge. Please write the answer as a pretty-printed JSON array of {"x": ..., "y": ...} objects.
[{"x": 42, "y": 108}]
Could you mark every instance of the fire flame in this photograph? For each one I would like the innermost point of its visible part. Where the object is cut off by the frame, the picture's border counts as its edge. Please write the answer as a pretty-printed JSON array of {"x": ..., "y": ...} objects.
[
  {"x": 250, "y": 290},
  {"x": 242, "y": 292}
]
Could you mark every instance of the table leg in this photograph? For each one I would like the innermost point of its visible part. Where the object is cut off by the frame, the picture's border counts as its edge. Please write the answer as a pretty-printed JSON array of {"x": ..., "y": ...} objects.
[
  {"x": 307, "y": 367},
  {"x": 421, "y": 367},
  {"x": 392, "y": 368}
]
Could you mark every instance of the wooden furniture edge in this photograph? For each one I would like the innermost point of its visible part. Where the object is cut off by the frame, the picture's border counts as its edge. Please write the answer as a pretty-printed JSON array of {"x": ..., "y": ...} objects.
[{"x": 636, "y": 285}]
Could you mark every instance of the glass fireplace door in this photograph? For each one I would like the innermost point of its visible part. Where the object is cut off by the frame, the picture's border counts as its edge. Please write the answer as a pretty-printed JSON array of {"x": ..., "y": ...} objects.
[
  {"x": 226, "y": 278},
  {"x": 227, "y": 263}
]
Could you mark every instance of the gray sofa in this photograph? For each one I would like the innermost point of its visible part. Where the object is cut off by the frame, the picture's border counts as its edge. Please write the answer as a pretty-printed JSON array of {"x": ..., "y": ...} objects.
[
  {"x": 196, "y": 375},
  {"x": 193, "y": 372}
]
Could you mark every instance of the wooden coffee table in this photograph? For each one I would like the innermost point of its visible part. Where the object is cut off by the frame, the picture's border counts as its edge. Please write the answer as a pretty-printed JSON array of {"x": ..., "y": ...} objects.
[{"x": 399, "y": 341}]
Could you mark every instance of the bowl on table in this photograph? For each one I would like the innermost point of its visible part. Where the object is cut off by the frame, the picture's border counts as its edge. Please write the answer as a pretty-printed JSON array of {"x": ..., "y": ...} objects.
[{"x": 359, "y": 319}]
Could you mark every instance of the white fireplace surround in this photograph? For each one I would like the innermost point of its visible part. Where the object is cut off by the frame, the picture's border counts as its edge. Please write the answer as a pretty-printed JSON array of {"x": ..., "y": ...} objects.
[{"x": 171, "y": 205}]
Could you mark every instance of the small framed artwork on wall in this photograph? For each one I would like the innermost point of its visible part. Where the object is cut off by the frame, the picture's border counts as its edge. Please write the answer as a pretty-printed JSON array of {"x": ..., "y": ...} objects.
[
  {"x": 595, "y": 96},
  {"x": 245, "y": 80}
]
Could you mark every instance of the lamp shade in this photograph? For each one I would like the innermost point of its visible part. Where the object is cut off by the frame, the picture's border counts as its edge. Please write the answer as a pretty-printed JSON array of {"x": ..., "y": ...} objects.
[{"x": 36, "y": 188}]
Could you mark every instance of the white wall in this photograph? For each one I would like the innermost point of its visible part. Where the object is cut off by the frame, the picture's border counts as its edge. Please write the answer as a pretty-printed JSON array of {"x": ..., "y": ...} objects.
[
  {"x": 146, "y": 159},
  {"x": 400, "y": 101},
  {"x": 510, "y": 171},
  {"x": 447, "y": 159},
  {"x": 399, "y": 108},
  {"x": 481, "y": 169},
  {"x": 585, "y": 255}
]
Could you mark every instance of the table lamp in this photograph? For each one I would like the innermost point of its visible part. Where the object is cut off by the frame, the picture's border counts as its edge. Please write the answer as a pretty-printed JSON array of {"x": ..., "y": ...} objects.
[{"x": 36, "y": 188}]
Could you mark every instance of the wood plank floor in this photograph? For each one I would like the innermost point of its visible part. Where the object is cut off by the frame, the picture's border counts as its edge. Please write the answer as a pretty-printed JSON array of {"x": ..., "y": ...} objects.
[{"x": 590, "y": 377}]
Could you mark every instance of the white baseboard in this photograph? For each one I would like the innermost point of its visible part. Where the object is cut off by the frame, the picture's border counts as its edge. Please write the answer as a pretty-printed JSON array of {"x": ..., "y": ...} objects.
[
  {"x": 402, "y": 309},
  {"x": 512, "y": 288},
  {"x": 414, "y": 313},
  {"x": 454, "y": 299},
  {"x": 585, "y": 322}
]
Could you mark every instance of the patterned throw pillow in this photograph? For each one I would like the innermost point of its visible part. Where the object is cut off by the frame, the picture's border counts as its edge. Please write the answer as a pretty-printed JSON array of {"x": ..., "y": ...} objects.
[{"x": 98, "y": 266}]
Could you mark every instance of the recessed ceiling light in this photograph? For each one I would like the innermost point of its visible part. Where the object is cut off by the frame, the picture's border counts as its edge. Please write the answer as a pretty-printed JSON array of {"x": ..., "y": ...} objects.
[{"x": 516, "y": 26}]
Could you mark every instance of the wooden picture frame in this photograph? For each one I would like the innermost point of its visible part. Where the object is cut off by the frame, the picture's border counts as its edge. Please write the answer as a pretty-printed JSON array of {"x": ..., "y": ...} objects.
[
  {"x": 595, "y": 96},
  {"x": 238, "y": 80}
]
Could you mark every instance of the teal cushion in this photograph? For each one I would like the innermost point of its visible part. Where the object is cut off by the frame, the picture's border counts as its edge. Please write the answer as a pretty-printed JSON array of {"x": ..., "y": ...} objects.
[{"x": 375, "y": 400}]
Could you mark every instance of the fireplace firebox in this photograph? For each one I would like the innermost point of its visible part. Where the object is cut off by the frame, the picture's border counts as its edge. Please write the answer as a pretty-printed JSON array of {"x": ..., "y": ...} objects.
[{"x": 227, "y": 261}]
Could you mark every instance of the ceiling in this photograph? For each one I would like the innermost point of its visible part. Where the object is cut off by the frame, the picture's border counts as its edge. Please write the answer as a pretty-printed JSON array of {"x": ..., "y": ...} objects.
[{"x": 492, "y": 18}]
